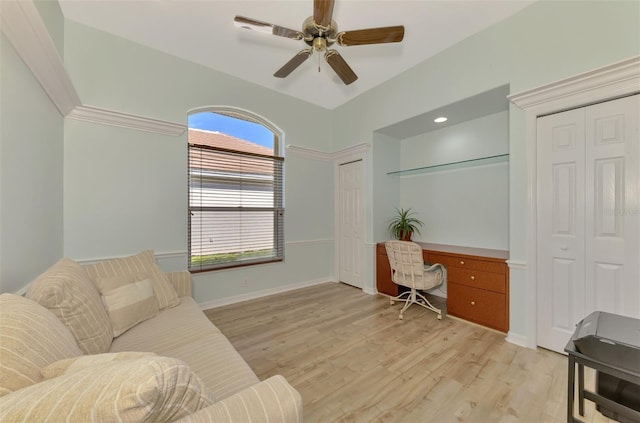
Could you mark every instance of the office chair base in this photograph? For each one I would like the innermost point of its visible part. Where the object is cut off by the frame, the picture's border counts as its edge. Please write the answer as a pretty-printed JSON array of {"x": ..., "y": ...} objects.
[{"x": 413, "y": 299}]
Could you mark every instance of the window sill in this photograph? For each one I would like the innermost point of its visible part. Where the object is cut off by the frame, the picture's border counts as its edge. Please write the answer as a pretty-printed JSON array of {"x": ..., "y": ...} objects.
[{"x": 227, "y": 266}]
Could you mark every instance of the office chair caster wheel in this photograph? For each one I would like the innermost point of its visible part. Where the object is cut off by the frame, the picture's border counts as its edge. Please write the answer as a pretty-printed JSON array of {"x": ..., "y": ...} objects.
[
  {"x": 391, "y": 302},
  {"x": 400, "y": 317},
  {"x": 439, "y": 316}
]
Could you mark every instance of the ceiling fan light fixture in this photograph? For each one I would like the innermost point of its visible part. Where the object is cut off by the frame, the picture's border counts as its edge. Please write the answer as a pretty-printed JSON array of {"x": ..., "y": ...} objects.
[
  {"x": 319, "y": 44},
  {"x": 320, "y": 32}
]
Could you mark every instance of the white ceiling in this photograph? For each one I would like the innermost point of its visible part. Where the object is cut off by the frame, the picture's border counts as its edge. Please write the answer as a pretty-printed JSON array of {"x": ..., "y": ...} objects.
[{"x": 203, "y": 32}]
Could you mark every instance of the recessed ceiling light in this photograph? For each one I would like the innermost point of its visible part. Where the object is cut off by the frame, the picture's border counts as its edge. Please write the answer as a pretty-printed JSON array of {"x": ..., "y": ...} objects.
[{"x": 440, "y": 119}]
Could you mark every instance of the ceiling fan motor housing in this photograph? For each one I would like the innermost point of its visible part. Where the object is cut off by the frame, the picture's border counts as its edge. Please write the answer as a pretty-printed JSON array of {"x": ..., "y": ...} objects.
[
  {"x": 319, "y": 37},
  {"x": 320, "y": 32}
]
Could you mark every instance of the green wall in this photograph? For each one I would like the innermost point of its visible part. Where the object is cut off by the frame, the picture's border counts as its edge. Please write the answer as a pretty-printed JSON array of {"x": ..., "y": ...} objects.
[
  {"x": 126, "y": 190},
  {"x": 103, "y": 216},
  {"x": 545, "y": 42},
  {"x": 463, "y": 206},
  {"x": 30, "y": 174}
]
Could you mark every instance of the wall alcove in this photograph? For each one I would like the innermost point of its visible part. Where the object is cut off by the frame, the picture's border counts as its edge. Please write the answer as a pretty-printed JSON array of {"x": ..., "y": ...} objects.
[{"x": 454, "y": 175}]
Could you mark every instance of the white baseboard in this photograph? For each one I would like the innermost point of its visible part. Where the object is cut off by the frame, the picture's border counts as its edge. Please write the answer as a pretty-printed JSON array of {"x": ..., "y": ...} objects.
[
  {"x": 368, "y": 291},
  {"x": 517, "y": 339},
  {"x": 259, "y": 294}
]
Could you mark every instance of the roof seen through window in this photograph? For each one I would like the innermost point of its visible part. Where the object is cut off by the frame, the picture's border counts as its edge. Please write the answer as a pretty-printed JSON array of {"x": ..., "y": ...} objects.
[{"x": 232, "y": 130}]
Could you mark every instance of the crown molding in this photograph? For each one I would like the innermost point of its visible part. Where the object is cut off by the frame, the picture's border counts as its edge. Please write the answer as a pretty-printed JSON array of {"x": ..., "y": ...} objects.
[
  {"x": 350, "y": 151},
  {"x": 24, "y": 28},
  {"x": 26, "y": 31},
  {"x": 621, "y": 77},
  {"x": 309, "y": 153},
  {"x": 125, "y": 120}
]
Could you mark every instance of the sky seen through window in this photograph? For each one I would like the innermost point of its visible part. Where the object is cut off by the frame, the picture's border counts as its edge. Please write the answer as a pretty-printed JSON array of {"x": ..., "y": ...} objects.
[{"x": 235, "y": 127}]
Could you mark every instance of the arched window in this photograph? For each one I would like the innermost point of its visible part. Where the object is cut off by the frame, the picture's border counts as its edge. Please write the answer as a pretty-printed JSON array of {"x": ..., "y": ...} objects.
[{"x": 236, "y": 207}]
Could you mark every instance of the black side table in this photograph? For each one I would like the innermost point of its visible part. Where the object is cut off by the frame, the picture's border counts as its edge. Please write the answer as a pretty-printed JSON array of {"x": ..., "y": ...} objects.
[{"x": 626, "y": 414}]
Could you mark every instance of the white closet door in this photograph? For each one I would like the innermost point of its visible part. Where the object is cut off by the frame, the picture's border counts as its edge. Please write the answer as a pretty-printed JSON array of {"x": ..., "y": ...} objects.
[
  {"x": 561, "y": 225},
  {"x": 351, "y": 222},
  {"x": 613, "y": 212},
  {"x": 588, "y": 217}
]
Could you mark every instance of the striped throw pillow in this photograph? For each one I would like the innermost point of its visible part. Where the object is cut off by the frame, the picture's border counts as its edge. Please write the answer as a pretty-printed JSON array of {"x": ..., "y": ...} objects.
[
  {"x": 144, "y": 263},
  {"x": 31, "y": 338},
  {"x": 128, "y": 301},
  {"x": 152, "y": 389},
  {"x": 67, "y": 291}
]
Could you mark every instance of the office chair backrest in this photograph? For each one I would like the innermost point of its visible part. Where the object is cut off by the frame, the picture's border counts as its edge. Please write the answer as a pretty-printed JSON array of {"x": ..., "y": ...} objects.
[{"x": 407, "y": 264}]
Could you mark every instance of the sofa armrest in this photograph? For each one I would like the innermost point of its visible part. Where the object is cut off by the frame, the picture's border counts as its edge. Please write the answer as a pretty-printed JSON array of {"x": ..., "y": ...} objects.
[
  {"x": 272, "y": 400},
  {"x": 181, "y": 282}
]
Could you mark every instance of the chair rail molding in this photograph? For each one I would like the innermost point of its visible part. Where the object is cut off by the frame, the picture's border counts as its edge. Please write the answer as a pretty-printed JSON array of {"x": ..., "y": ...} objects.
[
  {"x": 308, "y": 242},
  {"x": 158, "y": 256},
  {"x": 605, "y": 83},
  {"x": 517, "y": 264},
  {"x": 26, "y": 31}
]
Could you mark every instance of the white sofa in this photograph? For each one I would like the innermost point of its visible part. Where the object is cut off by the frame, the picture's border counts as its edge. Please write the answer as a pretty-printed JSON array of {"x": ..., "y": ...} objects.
[{"x": 59, "y": 358}]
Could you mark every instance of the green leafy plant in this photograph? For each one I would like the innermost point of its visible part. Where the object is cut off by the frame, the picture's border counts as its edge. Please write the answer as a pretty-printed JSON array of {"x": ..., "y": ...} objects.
[{"x": 403, "y": 224}]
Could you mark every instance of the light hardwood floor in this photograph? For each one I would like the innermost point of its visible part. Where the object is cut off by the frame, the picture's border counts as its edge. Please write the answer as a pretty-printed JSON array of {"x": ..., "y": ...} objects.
[{"x": 352, "y": 360}]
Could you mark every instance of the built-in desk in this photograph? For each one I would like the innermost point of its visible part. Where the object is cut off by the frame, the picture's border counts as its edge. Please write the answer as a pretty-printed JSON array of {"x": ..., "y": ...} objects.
[{"x": 477, "y": 281}]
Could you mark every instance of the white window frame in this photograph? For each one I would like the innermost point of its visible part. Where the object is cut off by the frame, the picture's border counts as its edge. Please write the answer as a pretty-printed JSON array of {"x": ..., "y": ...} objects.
[{"x": 278, "y": 232}]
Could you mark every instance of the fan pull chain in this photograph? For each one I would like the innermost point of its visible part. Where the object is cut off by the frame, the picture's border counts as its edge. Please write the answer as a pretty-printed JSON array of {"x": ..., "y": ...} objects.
[{"x": 318, "y": 63}]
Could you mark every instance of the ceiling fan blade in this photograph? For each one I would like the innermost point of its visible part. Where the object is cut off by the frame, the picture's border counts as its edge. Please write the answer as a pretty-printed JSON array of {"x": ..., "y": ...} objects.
[
  {"x": 341, "y": 67},
  {"x": 292, "y": 64},
  {"x": 322, "y": 12},
  {"x": 267, "y": 28},
  {"x": 387, "y": 34}
]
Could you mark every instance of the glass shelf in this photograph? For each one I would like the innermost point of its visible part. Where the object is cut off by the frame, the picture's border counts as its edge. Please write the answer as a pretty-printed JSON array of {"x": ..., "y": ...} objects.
[{"x": 453, "y": 165}]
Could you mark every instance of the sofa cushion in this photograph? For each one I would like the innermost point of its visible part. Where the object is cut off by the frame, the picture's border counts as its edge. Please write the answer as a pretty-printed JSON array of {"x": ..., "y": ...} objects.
[
  {"x": 75, "y": 364},
  {"x": 151, "y": 389},
  {"x": 128, "y": 300},
  {"x": 67, "y": 291},
  {"x": 185, "y": 332},
  {"x": 143, "y": 262},
  {"x": 220, "y": 366},
  {"x": 31, "y": 337},
  {"x": 174, "y": 326}
]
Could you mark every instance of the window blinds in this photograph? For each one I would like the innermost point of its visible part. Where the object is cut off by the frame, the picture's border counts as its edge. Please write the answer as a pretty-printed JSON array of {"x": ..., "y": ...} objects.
[{"x": 236, "y": 213}]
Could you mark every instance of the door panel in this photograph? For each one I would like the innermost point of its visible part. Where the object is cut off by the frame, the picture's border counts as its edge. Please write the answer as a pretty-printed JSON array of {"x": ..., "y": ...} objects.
[
  {"x": 351, "y": 224},
  {"x": 560, "y": 226},
  {"x": 588, "y": 216},
  {"x": 612, "y": 213}
]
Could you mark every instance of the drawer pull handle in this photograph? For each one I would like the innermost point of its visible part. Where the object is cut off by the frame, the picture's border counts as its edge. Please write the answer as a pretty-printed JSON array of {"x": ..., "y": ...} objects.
[
  {"x": 473, "y": 278},
  {"x": 461, "y": 261},
  {"x": 473, "y": 303}
]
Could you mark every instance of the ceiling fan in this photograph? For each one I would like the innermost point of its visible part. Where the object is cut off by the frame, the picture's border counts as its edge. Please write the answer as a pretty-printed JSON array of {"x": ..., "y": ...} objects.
[{"x": 320, "y": 32}]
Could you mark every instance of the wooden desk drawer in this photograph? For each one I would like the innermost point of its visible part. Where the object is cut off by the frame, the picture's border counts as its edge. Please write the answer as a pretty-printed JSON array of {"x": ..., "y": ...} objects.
[
  {"x": 384, "y": 284},
  {"x": 477, "y": 279},
  {"x": 467, "y": 263},
  {"x": 477, "y": 305}
]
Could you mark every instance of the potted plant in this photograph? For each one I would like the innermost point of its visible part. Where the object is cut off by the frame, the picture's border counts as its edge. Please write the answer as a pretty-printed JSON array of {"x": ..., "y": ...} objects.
[{"x": 403, "y": 224}]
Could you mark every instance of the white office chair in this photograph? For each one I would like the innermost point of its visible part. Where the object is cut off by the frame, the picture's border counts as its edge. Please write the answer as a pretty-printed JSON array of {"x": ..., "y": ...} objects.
[{"x": 408, "y": 269}]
